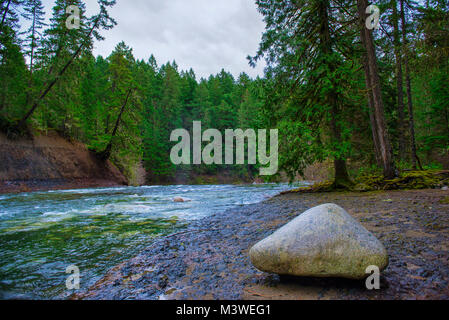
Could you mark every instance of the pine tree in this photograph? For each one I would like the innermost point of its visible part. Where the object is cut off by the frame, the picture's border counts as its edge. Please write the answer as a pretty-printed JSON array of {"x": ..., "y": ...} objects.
[
  {"x": 399, "y": 79},
  {"x": 433, "y": 46},
  {"x": 12, "y": 66},
  {"x": 9, "y": 14},
  {"x": 303, "y": 55},
  {"x": 405, "y": 50},
  {"x": 34, "y": 11},
  {"x": 63, "y": 46},
  {"x": 122, "y": 94},
  {"x": 380, "y": 133}
]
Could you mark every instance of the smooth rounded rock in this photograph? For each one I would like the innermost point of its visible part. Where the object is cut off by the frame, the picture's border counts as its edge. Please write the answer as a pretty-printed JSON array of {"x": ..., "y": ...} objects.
[{"x": 324, "y": 241}]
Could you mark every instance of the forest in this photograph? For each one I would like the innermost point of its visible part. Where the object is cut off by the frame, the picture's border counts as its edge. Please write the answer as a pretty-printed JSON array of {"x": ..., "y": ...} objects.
[{"x": 361, "y": 99}]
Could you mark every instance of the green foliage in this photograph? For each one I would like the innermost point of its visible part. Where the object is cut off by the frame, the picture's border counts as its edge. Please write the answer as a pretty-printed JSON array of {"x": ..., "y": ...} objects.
[
  {"x": 433, "y": 166},
  {"x": 313, "y": 90}
]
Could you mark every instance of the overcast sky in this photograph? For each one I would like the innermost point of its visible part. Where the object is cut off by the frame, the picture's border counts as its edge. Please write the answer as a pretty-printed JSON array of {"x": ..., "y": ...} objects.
[{"x": 206, "y": 35}]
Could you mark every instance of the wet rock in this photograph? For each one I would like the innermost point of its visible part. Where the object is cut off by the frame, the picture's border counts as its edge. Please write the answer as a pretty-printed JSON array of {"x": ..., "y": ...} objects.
[
  {"x": 179, "y": 199},
  {"x": 324, "y": 241},
  {"x": 163, "y": 282},
  {"x": 424, "y": 273}
]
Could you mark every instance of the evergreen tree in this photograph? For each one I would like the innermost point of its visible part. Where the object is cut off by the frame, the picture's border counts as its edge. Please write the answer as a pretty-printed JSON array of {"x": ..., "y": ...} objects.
[
  {"x": 303, "y": 54},
  {"x": 63, "y": 46},
  {"x": 34, "y": 11},
  {"x": 123, "y": 115},
  {"x": 373, "y": 84},
  {"x": 9, "y": 14}
]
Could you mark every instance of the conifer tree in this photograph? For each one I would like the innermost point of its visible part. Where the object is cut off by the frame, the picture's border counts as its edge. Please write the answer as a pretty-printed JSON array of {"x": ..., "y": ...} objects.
[
  {"x": 64, "y": 45},
  {"x": 373, "y": 82},
  {"x": 302, "y": 51},
  {"x": 34, "y": 11}
]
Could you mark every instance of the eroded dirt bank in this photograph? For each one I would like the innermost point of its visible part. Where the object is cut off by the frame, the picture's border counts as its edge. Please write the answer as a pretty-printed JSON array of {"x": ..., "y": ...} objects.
[
  {"x": 51, "y": 162},
  {"x": 210, "y": 260}
]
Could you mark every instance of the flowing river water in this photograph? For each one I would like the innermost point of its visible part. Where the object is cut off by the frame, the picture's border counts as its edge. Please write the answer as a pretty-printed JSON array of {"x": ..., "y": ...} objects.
[{"x": 43, "y": 233}]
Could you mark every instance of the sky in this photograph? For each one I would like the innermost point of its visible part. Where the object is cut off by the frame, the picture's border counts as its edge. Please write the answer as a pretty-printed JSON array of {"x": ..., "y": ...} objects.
[{"x": 206, "y": 35}]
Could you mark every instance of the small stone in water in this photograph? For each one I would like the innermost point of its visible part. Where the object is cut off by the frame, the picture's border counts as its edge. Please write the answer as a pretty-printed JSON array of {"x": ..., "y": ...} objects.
[{"x": 179, "y": 199}]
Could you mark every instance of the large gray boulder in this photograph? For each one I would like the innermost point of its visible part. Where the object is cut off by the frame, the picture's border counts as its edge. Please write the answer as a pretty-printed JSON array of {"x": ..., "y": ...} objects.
[{"x": 324, "y": 241}]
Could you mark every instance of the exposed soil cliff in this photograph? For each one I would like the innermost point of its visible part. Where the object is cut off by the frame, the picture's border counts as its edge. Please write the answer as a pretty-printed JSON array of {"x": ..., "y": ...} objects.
[{"x": 51, "y": 162}]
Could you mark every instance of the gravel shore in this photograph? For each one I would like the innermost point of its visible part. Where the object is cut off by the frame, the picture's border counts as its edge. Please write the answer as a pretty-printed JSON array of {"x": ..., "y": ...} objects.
[{"x": 209, "y": 259}]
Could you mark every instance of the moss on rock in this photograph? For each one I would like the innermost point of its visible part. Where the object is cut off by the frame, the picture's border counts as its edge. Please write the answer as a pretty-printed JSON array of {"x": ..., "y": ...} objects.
[{"x": 408, "y": 180}]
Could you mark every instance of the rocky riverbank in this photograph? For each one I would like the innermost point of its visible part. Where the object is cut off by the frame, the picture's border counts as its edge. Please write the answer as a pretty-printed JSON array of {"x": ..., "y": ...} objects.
[{"x": 209, "y": 260}]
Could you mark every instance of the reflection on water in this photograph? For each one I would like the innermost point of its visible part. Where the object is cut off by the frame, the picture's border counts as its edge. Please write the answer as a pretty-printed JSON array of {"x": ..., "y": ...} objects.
[{"x": 42, "y": 233}]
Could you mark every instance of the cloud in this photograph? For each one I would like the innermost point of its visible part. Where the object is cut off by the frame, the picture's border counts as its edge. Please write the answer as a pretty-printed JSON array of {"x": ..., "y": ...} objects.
[{"x": 206, "y": 35}]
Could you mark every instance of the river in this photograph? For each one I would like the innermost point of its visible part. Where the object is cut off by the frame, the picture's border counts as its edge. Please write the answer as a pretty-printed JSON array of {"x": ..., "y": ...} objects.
[{"x": 43, "y": 233}]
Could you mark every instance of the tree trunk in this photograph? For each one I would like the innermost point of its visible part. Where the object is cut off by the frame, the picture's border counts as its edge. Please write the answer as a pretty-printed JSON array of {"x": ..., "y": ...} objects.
[
  {"x": 30, "y": 80},
  {"x": 372, "y": 118},
  {"x": 399, "y": 81},
  {"x": 106, "y": 154},
  {"x": 5, "y": 13},
  {"x": 341, "y": 179},
  {"x": 372, "y": 73},
  {"x": 33, "y": 40},
  {"x": 415, "y": 160}
]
